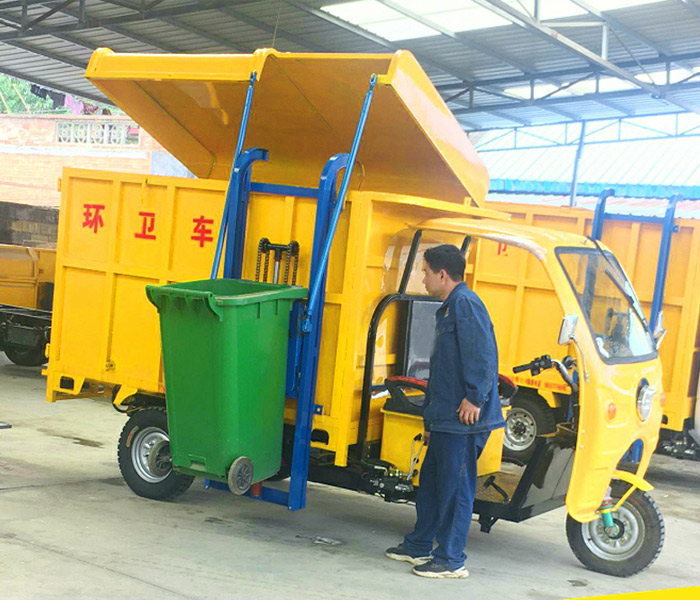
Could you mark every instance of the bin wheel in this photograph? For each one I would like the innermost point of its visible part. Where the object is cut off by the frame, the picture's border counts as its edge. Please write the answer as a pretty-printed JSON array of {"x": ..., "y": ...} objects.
[
  {"x": 144, "y": 457},
  {"x": 240, "y": 475},
  {"x": 633, "y": 547},
  {"x": 33, "y": 357},
  {"x": 527, "y": 418}
]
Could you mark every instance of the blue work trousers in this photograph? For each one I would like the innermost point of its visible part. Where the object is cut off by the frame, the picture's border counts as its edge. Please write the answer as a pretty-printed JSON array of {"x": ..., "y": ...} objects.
[{"x": 445, "y": 500}]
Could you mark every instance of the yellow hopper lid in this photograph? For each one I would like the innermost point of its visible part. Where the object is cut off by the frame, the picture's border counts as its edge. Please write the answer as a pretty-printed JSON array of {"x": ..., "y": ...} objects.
[{"x": 305, "y": 109}]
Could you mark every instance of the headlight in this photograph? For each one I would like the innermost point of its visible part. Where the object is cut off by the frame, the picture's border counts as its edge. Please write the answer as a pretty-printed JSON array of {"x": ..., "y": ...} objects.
[{"x": 645, "y": 399}]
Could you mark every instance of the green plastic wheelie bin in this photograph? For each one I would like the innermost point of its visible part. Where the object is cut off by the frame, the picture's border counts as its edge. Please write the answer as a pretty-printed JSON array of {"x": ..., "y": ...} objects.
[{"x": 224, "y": 358}]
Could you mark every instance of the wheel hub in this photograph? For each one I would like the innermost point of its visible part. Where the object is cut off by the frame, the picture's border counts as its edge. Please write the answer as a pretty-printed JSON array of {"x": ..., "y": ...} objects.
[
  {"x": 521, "y": 429},
  {"x": 150, "y": 454},
  {"x": 159, "y": 459},
  {"x": 619, "y": 542}
]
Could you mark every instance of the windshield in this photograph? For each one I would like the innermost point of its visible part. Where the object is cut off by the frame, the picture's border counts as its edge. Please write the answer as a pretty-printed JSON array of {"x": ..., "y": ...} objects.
[{"x": 609, "y": 304}]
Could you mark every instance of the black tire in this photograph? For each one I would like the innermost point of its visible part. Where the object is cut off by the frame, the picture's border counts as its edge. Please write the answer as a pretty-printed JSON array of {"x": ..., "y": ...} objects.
[
  {"x": 528, "y": 417},
  {"x": 633, "y": 549},
  {"x": 33, "y": 357},
  {"x": 144, "y": 457}
]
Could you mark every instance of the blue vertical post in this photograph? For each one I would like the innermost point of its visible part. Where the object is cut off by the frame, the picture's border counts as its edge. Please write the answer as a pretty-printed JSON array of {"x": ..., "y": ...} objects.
[
  {"x": 230, "y": 198},
  {"x": 327, "y": 216},
  {"x": 237, "y": 217},
  {"x": 662, "y": 266},
  {"x": 311, "y": 340},
  {"x": 599, "y": 215}
]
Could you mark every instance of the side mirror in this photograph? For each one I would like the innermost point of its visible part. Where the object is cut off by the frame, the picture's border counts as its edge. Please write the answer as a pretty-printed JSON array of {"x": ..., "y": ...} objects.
[
  {"x": 659, "y": 331},
  {"x": 568, "y": 329}
]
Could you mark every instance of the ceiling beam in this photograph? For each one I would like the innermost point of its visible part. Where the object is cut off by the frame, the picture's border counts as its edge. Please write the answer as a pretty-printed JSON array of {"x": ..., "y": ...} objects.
[
  {"x": 459, "y": 38},
  {"x": 525, "y": 21},
  {"x": 615, "y": 24},
  {"x": 211, "y": 37},
  {"x": 78, "y": 64},
  {"x": 506, "y": 11},
  {"x": 146, "y": 40},
  {"x": 68, "y": 38},
  {"x": 556, "y": 101},
  {"x": 275, "y": 31},
  {"x": 511, "y": 118},
  {"x": 111, "y": 22},
  {"x": 179, "y": 23},
  {"x": 692, "y": 6},
  {"x": 375, "y": 39},
  {"x": 572, "y": 72}
]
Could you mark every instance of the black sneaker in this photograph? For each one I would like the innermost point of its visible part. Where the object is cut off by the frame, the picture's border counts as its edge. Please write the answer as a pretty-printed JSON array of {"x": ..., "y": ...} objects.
[
  {"x": 437, "y": 571},
  {"x": 400, "y": 553}
]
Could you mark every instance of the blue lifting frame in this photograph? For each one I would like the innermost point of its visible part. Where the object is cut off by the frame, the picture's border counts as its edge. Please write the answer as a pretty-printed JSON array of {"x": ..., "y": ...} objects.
[
  {"x": 306, "y": 319},
  {"x": 668, "y": 228}
]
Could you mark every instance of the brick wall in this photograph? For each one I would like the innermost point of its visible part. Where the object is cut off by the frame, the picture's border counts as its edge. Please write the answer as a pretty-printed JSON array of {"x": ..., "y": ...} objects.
[
  {"x": 31, "y": 159},
  {"x": 28, "y": 225}
]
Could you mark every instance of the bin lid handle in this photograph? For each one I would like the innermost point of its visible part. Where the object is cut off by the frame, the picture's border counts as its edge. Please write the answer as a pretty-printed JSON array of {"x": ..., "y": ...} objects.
[{"x": 157, "y": 296}]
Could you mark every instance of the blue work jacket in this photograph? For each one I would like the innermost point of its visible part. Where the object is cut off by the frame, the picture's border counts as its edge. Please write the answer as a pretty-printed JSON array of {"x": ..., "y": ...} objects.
[{"x": 464, "y": 364}]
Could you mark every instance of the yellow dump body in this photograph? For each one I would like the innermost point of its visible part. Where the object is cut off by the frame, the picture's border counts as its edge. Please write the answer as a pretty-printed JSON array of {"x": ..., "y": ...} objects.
[
  {"x": 636, "y": 246},
  {"x": 26, "y": 276},
  {"x": 118, "y": 232},
  {"x": 106, "y": 332}
]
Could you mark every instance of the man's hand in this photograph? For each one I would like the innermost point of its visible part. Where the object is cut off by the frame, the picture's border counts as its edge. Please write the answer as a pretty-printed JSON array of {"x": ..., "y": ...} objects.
[
  {"x": 468, "y": 413},
  {"x": 426, "y": 437}
]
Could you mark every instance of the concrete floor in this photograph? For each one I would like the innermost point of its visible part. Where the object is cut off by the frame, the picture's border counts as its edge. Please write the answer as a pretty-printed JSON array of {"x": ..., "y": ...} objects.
[{"x": 70, "y": 528}]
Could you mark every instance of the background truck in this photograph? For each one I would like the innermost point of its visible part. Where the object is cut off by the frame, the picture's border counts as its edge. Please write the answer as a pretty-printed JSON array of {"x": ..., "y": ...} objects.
[{"x": 26, "y": 295}]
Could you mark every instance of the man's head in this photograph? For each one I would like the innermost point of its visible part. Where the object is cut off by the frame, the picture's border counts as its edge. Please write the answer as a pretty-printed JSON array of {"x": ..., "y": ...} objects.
[{"x": 444, "y": 269}]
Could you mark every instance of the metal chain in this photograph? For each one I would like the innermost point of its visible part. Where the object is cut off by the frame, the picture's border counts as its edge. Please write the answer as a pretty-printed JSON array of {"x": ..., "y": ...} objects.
[{"x": 259, "y": 259}]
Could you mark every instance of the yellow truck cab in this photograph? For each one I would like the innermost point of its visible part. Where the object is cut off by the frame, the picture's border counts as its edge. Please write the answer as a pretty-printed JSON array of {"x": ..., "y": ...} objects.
[
  {"x": 357, "y": 345},
  {"x": 661, "y": 254}
]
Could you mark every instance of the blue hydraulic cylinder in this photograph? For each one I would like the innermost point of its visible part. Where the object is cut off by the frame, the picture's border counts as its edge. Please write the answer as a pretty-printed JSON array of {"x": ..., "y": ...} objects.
[
  {"x": 230, "y": 198},
  {"x": 316, "y": 284}
]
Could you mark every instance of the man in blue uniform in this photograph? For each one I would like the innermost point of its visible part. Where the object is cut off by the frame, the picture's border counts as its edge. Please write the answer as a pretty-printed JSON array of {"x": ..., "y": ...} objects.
[{"x": 461, "y": 408}]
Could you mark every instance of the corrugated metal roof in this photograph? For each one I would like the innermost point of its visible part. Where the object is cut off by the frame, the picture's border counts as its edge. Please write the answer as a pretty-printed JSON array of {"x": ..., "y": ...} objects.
[
  {"x": 667, "y": 162},
  {"x": 487, "y": 61}
]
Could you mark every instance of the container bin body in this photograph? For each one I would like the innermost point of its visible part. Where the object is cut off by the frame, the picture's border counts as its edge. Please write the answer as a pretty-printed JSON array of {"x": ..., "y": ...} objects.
[{"x": 224, "y": 356}]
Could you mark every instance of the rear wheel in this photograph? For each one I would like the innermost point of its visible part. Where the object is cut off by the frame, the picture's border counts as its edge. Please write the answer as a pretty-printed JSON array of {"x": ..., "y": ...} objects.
[
  {"x": 528, "y": 417},
  {"x": 144, "y": 457},
  {"x": 33, "y": 357},
  {"x": 631, "y": 547}
]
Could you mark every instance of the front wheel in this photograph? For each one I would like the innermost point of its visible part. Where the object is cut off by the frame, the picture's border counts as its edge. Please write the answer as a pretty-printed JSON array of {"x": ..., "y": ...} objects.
[
  {"x": 144, "y": 457},
  {"x": 632, "y": 547}
]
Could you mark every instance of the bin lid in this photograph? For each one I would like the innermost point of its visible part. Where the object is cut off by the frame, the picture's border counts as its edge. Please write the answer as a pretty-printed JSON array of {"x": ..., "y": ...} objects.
[{"x": 305, "y": 109}]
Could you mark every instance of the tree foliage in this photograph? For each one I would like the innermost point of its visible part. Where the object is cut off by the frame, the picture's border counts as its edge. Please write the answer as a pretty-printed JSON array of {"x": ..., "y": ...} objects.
[{"x": 16, "y": 97}]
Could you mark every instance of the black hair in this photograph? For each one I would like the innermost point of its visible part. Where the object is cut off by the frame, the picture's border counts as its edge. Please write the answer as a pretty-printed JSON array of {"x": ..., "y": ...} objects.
[{"x": 446, "y": 257}]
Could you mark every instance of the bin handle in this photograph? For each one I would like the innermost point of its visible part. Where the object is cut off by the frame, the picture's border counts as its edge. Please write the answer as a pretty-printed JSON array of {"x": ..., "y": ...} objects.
[{"x": 188, "y": 296}]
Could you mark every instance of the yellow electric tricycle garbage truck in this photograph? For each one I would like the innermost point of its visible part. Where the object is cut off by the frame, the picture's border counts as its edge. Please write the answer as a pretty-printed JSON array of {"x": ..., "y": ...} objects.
[{"x": 336, "y": 172}]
